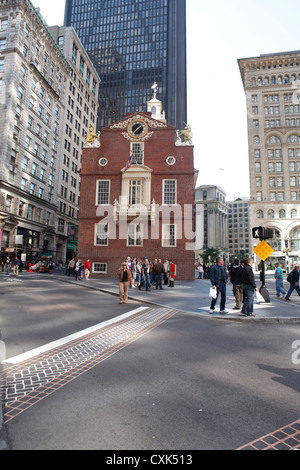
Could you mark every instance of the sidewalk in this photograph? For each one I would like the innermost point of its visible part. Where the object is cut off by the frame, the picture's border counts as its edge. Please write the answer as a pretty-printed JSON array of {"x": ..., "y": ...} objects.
[{"x": 192, "y": 297}]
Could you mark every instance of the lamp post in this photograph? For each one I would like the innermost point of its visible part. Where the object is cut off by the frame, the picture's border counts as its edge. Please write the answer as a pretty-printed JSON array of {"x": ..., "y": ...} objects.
[{"x": 287, "y": 251}]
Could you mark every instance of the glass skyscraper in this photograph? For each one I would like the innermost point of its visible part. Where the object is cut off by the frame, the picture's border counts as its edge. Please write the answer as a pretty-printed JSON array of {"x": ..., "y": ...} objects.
[{"x": 132, "y": 44}]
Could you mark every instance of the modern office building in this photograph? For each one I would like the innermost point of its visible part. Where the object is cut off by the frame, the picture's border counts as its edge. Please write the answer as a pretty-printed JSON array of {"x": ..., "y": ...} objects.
[
  {"x": 132, "y": 45},
  {"x": 239, "y": 229},
  {"x": 272, "y": 87}
]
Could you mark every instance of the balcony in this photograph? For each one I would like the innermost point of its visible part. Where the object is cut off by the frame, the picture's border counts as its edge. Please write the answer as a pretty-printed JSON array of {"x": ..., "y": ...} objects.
[{"x": 124, "y": 211}]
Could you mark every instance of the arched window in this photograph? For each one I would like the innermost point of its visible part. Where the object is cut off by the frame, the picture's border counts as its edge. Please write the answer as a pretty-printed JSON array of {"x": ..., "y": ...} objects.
[
  {"x": 295, "y": 239},
  {"x": 276, "y": 242},
  {"x": 256, "y": 139},
  {"x": 260, "y": 214},
  {"x": 274, "y": 139},
  {"x": 294, "y": 214},
  {"x": 271, "y": 214},
  {"x": 293, "y": 139},
  {"x": 282, "y": 214}
]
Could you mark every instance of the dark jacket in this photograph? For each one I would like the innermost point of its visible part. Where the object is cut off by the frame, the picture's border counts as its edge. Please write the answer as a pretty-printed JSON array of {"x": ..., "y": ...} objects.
[
  {"x": 248, "y": 276},
  {"x": 216, "y": 274},
  {"x": 236, "y": 275},
  {"x": 295, "y": 275},
  {"x": 158, "y": 268}
]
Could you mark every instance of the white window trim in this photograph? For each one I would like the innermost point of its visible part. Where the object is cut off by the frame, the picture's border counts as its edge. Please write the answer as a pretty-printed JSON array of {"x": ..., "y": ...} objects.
[
  {"x": 163, "y": 192},
  {"x": 95, "y": 235},
  {"x": 97, "y": 192},
  {"x": 141, "y": 232},
  {"x": 99, "y": 272},
  {"x": 164, "y": 240}
]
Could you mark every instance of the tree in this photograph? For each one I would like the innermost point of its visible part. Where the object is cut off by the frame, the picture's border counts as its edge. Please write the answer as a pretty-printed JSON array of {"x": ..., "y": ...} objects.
[{"x": 210, "y": 255}]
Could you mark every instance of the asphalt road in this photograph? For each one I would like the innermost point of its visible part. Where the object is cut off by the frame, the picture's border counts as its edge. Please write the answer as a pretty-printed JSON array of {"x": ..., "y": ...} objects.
[{"x": 188, "y": 383}]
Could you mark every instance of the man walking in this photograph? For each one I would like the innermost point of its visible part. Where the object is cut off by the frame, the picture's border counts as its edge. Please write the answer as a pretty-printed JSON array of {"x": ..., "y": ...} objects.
[
  {"x": 7, "y": 265},
  {"x": 219, "y": 279},
  {"x": 158, "y": 270},
  {"x": 16, "y": 266},
  {"x": 293, "y": 279},
  {"x": 249, "y": 288},
  {"x": 235, "y": 275},
  {"x": 278, "y": 275}
]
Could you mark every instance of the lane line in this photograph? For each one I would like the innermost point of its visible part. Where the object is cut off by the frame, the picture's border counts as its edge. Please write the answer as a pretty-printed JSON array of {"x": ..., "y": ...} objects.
[{"x": 47, "y": 347}]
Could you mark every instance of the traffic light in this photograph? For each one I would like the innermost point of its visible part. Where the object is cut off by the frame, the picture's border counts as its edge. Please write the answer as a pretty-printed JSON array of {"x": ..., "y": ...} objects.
[{"x": 262, "y": 233}]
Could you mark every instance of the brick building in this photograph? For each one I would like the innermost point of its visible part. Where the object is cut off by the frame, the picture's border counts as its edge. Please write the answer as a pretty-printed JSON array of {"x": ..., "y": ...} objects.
[{"x": 145, "y": 210}]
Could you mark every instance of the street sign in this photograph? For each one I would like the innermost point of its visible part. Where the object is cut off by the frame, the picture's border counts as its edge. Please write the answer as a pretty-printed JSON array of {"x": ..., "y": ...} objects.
[{"x": 263, "y": 250}]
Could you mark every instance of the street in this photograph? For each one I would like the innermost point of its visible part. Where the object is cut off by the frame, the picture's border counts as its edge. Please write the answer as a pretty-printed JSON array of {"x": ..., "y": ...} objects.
[{"x": 97, "y": 375}]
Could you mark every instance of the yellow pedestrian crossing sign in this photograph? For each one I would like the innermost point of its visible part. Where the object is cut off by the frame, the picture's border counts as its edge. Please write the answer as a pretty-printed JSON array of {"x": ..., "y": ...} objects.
[{"x": 263, "y": 250}]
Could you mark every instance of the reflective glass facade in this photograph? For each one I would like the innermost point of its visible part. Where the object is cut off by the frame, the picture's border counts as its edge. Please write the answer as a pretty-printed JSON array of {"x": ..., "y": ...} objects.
[{"x": 134, "y": 43}]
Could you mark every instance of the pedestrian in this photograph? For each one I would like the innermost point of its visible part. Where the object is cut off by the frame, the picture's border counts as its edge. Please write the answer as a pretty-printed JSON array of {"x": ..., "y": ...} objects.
[
  {"x": 71, "y": 267},
  {"x": 7, "y": 265},
  {"x": 250, "y": 287},
  {"x": 124, "y": 275},
  {"x": 166, "y": 270},
  {"x": 50, "y": 266},
  {"x": 235, "y": 275},
  {"x": 87, "y": 268},
  {"x": 219, "y": 279},
  {"x": 78, "y": 270},
  {"x": 200, "y": 271},
  {"x": 158, "y": 270},
  {"x": 133, "y": 272},
  {"x": 151, "y": 273},
  {"x": 146, "y": 274},
  {"x": 138, "y": 273},
  {"x": 293, "y": 279},
  {"x": 278, "y": 275},
  {"x": 172, "y": 273},
  {"x": 16, "y": 266}
]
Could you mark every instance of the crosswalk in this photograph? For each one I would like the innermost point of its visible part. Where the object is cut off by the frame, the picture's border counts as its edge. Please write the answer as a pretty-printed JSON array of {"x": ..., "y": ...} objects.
[{"x": 33, "y": 377}]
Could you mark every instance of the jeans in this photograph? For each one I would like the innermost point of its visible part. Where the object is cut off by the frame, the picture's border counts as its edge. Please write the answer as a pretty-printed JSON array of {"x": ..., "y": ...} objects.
[
  {"x": 293, "y": 286},
  {"x": 158, "y": 278},
  {"x": 147, "y": 281},
  {"x": 249, "y": 299},
  {"x": 221, "y": 289},
  {"x": 279, "y": 289}
]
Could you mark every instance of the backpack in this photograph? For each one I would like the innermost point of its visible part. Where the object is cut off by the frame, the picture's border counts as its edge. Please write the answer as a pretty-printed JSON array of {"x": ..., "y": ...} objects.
[{"x": 290, "y": 277}]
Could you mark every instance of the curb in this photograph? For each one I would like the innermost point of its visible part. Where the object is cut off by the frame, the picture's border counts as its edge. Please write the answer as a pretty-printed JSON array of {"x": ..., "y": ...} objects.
[{"x": 241, "y": 318}]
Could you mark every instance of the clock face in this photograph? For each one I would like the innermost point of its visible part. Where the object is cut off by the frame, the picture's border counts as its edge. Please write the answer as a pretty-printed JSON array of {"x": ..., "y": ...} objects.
[{"x": 137, "y": 129}]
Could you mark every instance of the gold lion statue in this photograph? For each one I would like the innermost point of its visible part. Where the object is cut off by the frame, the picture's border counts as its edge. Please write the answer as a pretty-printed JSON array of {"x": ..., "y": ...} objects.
[{"x": 92, "y": 136}]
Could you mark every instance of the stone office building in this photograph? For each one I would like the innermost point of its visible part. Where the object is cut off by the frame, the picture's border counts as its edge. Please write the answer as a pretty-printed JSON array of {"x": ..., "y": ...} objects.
[
  {"x": 37, "y": 157},
  {"x": 211, "y": 212},
  {"x": 272, "y": 87}
]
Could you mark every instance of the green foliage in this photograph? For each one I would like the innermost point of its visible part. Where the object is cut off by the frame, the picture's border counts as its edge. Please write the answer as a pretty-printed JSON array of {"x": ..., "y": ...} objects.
[{"x": 213, "y": 253}]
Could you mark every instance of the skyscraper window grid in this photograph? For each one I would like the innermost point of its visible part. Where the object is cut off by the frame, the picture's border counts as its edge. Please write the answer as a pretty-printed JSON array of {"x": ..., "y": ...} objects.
[{"x": 133, "y": 43}]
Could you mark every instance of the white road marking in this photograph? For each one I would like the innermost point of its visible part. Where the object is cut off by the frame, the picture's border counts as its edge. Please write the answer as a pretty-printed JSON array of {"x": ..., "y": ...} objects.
[{"x": 68, "y": 339}]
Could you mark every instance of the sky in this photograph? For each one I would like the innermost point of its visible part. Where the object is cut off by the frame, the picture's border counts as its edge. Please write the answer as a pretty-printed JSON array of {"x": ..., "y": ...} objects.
[{"x": 219, "y": 33}]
